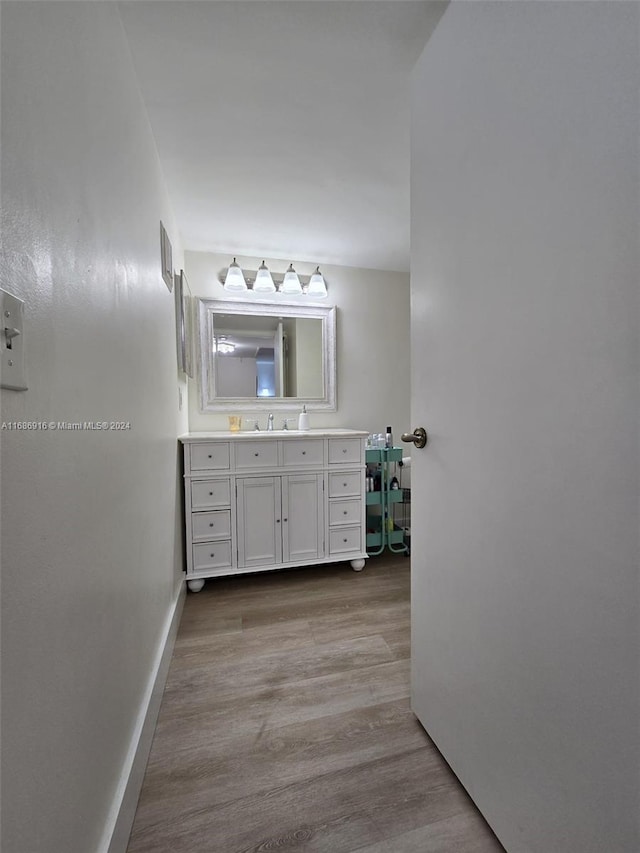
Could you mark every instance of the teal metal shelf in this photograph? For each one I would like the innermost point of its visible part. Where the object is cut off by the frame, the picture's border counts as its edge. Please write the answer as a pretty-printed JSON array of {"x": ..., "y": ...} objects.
[
  {"x": 383, "y": 454},
  {"x": 378, "y": 538},
  {"x": 393, "y": 496},
  {"x": 381, "y": 531}
]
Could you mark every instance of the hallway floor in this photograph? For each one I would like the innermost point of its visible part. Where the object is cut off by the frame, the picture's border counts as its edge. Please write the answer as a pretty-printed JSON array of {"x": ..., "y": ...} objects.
[{"x": 285, "y": 725}]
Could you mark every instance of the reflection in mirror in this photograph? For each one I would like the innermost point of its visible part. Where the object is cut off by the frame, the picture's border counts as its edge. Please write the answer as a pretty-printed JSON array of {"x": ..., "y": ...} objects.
[
  {"x": 268, "y": 356},
  {"x": 257, "y": 355}
]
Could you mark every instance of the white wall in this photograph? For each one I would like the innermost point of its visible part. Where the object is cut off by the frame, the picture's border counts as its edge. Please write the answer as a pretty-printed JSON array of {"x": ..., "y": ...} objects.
[
  {"x": 90, "y": 553},
  {"x": 525, "y": 273},
  {"x": 372, "y": 342}
]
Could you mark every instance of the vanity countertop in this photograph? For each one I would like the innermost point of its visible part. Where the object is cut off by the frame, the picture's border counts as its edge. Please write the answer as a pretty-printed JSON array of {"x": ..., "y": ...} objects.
[{"x": 252, "y": 434}]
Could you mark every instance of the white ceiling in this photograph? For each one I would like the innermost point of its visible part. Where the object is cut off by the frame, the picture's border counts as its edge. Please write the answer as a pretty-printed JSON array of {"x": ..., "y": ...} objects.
[{"x": 283, "y": 125}]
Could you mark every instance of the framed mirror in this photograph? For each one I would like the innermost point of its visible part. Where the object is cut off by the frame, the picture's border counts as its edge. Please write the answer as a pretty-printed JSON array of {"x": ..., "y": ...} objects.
[{"x": 264, "y": 355}]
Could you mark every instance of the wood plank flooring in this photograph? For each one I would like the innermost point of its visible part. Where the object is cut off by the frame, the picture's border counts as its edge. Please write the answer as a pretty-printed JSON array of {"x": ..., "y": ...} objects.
[{"x": 285, "y": 725}]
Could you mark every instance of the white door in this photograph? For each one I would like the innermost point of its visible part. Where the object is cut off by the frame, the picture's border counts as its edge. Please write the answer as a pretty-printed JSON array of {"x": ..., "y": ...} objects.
[
  {"x": 302, "y": 517},
  {"x": 525, "y": 373},
  {"x": 278, "y": 358},
  {"x": 259, "y": 521}
]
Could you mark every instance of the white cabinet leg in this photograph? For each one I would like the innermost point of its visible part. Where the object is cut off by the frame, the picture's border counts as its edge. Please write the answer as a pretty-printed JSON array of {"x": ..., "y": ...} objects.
[
  {"x": 357, "y": 565},
  {"x": 196, "y": 585}
]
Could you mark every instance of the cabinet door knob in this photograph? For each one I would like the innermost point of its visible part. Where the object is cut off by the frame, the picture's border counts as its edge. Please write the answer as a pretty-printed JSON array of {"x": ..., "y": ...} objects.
[
  {"x": 285, "y": 519},
  {"x": 344, "y": 512},
  {"x": 213, "y": 555},
  {"x": 210, "y": 456},
  {"x": 344, "y": 449},
  {"x": 256, "y": 454},
  {"x": 211, "y": 524},
  {"x": 345, "y": 485},
  {"x": 277, "y": 521},
  {"x": 344, "y": 540},
  {"x": 304, "y": 452},
  {"x": 211, "y": 493}
]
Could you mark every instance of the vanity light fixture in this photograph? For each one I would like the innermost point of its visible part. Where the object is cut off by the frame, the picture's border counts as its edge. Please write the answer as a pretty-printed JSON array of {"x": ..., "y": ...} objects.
[
  {"x": 264, "y": 282},
  {"x": 317, "y": 287},
  {"x": 234, "y": 279},
  {"x": 291, "y": 282}
]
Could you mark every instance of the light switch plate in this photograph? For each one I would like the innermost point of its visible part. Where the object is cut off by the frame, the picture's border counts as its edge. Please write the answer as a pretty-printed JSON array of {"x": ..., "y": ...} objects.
[{"x": 12, "y": 342}]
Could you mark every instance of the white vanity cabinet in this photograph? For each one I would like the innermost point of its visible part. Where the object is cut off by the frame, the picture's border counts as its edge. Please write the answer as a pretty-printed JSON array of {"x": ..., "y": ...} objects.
[{"x": 256, "y": 501}]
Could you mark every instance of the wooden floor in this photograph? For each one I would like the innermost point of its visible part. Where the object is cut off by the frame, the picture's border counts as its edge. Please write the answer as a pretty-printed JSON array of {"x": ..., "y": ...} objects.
[{"x": 285, "y": 725}]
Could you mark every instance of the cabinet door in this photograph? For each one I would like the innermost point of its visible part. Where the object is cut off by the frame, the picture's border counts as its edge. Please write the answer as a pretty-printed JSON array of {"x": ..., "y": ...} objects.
[
  {"x": 259, "y": 521},
  {"x": 303, "y": 517}
]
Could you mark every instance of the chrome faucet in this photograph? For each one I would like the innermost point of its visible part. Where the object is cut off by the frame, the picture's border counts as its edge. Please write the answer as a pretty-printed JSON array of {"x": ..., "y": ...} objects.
[
  {"x": 270, "y": 423},
  {"x": 286, "y": 421},
  {"x": 257, "y": 426}
]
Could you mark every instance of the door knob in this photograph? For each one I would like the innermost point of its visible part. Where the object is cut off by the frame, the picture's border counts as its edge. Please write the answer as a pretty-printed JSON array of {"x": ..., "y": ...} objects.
[{"x": 418, "y": 436}]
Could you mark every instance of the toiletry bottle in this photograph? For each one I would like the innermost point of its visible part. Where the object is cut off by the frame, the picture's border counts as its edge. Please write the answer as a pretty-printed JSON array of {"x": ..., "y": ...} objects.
[
  {"x": 303, "y": 419},
  {"x": 389, "y": 438}
]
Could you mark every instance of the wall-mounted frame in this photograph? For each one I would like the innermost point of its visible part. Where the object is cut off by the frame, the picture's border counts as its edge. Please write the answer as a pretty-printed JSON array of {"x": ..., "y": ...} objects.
[
  {"x": 221, "y": 319},
  {"x": 184, "y": 324},
  {"x": 166, "y": 259}
]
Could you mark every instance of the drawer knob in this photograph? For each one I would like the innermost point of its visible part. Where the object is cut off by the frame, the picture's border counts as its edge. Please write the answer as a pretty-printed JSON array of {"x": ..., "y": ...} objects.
[
  {"x": 277, "y": 521},
  {"x": 304, "y": 452},
  {"x": 213, "y": 555},
  {"x": 344, "y": 449},
  {"x": 211, "y": 524},
  {"x": 345, "y": 485},
  {"x": 344, "y": 540},
  {"x": 285, "y": 519},
  {"x": 210, "y": 456},
  {"x": 211, "y": 494},
  {"x": 256, "y": 454},
  {"x": 344, "y": 512}
]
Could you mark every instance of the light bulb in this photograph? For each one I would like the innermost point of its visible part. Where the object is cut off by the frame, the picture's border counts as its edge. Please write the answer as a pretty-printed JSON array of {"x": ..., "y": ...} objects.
[
  {"x": 264, "y": 282},
  {"x": 235, "y": 279},
  {"x": 291, "y": 283},
  {"x": 317, "y": 287}
]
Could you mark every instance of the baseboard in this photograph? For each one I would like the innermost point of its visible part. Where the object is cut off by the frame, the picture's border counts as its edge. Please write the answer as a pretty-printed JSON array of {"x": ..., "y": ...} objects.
[{"x": 120, "y": 820}]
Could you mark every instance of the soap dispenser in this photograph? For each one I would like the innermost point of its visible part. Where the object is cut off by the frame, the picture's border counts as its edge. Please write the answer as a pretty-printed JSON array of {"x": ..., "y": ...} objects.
[{"x": 303, "y": 419}]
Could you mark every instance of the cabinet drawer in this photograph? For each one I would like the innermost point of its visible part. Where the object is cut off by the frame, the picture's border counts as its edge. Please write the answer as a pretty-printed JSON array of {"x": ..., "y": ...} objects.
[
  {"x": 209, "y": 457},
  {"x": 256, "y": 454},
  {"x": 209, "y": 494},
  {"x": 211, "y": 525},
  {"x": 345, "y": 485},
  {"x": 345, "y": 450},
  {"x": 345, "y": 512},
  {"x": 213, "y": 555},
  {"x": 303, "y": 452},
  {"x": 342, "y": 540}
]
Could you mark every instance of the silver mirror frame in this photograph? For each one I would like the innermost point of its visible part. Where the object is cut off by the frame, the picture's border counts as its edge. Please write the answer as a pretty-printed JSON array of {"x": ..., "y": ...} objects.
[{"x": 208, "y": 308}]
